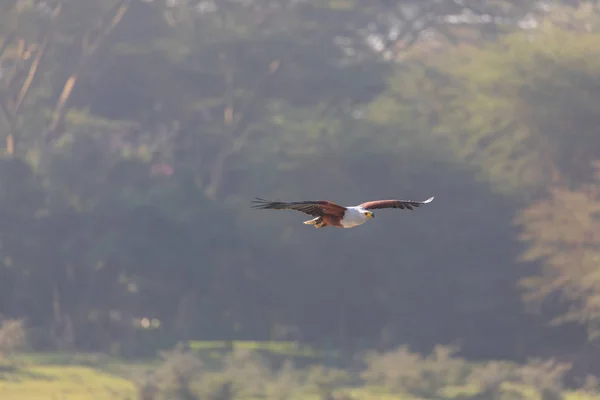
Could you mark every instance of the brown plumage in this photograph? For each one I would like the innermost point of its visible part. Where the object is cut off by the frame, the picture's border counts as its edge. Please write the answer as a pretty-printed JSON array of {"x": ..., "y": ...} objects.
[
  {"x": 401, "y": 204},
  {"x": 328, "y": 213}
]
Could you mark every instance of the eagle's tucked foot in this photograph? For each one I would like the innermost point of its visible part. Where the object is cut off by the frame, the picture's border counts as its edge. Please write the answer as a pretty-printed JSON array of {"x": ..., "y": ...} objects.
[{"x": 317, "y": 222}]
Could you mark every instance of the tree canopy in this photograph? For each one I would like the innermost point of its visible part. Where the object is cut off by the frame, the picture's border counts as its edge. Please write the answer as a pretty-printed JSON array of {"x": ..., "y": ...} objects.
[{"x": 136, "y": 133}]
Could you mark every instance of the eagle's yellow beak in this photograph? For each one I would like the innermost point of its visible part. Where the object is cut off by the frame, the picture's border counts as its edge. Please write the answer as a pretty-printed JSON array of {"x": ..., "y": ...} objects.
[{"x": 370, "y": 214}]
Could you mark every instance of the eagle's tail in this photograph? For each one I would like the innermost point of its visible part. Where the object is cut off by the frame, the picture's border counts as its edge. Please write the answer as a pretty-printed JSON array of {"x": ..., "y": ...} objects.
[{"x": 317, "y": 222}]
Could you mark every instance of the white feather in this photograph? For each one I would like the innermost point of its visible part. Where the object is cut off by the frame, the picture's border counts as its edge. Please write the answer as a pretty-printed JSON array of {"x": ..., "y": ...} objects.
[{"x": 354, "y": 216}]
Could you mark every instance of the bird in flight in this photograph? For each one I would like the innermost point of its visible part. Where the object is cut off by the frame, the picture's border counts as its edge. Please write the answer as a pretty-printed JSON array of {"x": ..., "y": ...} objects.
[{"x": 328, "y": 213}]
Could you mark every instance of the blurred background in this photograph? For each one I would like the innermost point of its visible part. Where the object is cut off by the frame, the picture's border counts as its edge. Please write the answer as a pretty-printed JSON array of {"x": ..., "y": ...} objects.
[{"x": 135, "y": 133}]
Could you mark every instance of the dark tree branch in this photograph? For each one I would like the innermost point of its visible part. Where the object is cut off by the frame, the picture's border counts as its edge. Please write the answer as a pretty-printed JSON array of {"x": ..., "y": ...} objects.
[
  {"x": 41, "y": 51},
  {"x": 11, "y": 111},
  {"x": 107, "y": 23}
]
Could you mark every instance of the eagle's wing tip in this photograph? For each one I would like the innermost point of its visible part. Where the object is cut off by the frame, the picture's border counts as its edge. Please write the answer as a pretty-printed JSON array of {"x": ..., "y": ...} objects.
[
  {"x": 258, "y": 202},
  {"x": 429, "y": 200}
]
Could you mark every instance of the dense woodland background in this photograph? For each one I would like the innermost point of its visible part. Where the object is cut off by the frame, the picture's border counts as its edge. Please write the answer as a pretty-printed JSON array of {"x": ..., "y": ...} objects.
[{"x": 135, "y": 134}]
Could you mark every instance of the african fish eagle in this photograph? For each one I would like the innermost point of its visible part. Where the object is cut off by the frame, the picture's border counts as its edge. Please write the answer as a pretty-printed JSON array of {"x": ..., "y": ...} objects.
[{"x": 328, "y": 213}]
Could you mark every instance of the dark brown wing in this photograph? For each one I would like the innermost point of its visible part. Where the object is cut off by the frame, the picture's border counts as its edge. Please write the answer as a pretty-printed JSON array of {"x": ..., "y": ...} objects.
[
  {"x": 314, "y": 208},
  {"x": 402, "y": 204}
]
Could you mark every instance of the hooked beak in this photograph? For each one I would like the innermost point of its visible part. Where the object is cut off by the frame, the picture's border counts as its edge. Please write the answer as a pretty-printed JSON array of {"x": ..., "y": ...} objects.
[{"x": 371, "y": 215}]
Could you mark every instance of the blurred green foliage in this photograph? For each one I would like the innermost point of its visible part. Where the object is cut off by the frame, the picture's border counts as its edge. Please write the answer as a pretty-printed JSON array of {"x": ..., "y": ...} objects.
[{"x": 136, "y": 133}]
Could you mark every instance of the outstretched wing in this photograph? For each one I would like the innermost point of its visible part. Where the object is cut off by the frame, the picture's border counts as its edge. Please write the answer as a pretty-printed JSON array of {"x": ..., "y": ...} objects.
[
  {"x": 401, "y": 204},
  {"x": 314, "y": 208}
]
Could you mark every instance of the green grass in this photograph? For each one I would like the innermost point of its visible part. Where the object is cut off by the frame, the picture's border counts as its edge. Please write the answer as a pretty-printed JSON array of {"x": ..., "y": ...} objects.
[
  {"x": 282, "y": 348},
  {"x": 64, "y": 376},
  {"x": 65, "y": 383}
]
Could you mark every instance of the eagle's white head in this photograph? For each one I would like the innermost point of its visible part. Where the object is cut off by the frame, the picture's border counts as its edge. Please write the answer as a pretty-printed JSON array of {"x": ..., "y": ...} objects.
[{"x": 367, "y": 213}]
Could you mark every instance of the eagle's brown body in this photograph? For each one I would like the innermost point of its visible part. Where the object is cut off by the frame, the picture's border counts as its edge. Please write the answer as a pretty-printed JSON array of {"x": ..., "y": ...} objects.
[{"x": 327, "y": 213}]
